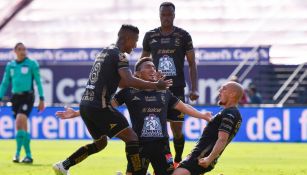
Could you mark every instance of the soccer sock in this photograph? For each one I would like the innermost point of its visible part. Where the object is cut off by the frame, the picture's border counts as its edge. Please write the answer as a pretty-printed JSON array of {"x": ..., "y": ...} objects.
[
  {"x": 179, "y": 145},
  {"x": 133, "y": 157},
  {"x": 20, "y": 135},
  {"x": 81, "y": 154},
  {"x": 26, "y": 144}
]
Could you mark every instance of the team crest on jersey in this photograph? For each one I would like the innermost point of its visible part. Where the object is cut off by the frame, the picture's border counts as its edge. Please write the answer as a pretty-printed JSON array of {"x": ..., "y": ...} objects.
[
  {"x": 122, "y": 57},
  {"x": 152, "y": 127},
  {"x": 167, "y": 66}
]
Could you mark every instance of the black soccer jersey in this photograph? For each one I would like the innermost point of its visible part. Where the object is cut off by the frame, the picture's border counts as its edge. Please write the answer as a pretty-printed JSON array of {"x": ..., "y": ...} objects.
[
  {"x": 168, "y": 52},
  {"x": 228, "y": 120},
  {"x": 148, "y": 111},
  {"x": 104, "y": 77}
]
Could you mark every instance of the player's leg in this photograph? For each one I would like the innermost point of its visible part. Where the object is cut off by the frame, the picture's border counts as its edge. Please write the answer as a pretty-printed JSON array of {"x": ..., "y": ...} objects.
[
  {"x": 176, "y": 119},
  {"x": 94, "y": 120},
  {"x": 161, "y": 157},
  {"x": 178, "y": 140},
  {"x": 21, "y": 128},
  {"x": 132, "y": 143}
]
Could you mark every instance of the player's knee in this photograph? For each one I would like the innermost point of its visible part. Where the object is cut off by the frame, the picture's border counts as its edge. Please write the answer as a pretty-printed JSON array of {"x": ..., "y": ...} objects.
[{"x": 101, "y": 143}]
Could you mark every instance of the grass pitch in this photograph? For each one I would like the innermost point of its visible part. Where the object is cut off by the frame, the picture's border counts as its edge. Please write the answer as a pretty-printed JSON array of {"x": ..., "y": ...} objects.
[{"x": 238, "y": 159}]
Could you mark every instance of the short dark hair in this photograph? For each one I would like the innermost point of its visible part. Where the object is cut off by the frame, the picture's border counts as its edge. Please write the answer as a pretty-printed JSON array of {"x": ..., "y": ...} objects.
[
  {"x": 138, "y": 64},
  {"x": 17, "y": 44},
  {"x": 129, "y": 27},
  {"x": 167, "y": 4}
]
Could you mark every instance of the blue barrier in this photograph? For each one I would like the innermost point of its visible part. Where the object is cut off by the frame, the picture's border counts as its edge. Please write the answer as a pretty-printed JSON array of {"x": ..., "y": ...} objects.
[{"x": 259, "y": 125}]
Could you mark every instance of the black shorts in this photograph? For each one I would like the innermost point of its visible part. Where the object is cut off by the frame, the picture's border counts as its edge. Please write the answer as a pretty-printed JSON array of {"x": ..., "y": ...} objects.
[
  {"x": 174, "y": 115},
  {"x": 201, "y": 150},
  {"x": 159, "y": 155},
  {"x": 22, "y": 103},
  {"x": 105, "y": 121}
]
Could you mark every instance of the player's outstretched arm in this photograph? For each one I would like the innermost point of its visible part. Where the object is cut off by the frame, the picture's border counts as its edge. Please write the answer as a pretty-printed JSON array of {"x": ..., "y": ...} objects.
[
  {"x": 189, "y": 110},
  {"x": 68, "y": 113},
  {"x": 131, "y": 81}
]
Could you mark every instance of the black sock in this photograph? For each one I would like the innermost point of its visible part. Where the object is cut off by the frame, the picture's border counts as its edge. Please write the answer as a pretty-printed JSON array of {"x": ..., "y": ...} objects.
[
  {"x": 81, "y": 154},
  {"x": 133, "y": 157},
  {"x": 179, "y": 145}
]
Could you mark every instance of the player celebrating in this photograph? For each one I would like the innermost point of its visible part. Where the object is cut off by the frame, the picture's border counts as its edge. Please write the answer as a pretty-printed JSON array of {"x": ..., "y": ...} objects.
[
  {"x": 21, "y": 73},
  {"x": 168, "y": 45},
  {"x": 148, "y": 113},
  {"x": 101, "y": 119},
  {"x": 217, "y": 135}
]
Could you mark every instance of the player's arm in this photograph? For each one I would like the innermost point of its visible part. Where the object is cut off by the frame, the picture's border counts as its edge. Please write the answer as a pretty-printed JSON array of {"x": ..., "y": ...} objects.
[
  {"x": 68, "y": 113},
  {"x": 5, "y": 81},
  {"x": 189, "y": 110},
  {"x": 37, "y": 78},
  {"x": 146, "y": 47},
  {"x": 217, "y": 149},
  {"x": 193, "y": 74},
  {"x": 114, "y": 103},
  {"x": 131, "y": 81}
]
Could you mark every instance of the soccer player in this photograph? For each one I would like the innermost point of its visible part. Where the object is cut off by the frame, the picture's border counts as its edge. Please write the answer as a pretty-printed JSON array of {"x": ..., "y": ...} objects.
[
  {"x": 21, "y": 73},
  {"x": 148, "y": 113},
  {"x": 101, "y": 119},
  {"x": 217, "y": 135},
  {"x": 169, "y": 45}
]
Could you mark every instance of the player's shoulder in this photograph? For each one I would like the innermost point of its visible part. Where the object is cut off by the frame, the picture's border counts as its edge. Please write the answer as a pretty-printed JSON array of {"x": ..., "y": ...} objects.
[
  {"x": 232, "y": 113},
  {"x": 153, "y": 32},
  {"x": 111, "y": 50},
  {"x": 180, "y": 31}
]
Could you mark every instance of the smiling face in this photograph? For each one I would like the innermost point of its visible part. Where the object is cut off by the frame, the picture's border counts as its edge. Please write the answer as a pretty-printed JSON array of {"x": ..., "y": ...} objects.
[
  {"x": 167, "y": 16},
  {"x": 147, "y": 71}
]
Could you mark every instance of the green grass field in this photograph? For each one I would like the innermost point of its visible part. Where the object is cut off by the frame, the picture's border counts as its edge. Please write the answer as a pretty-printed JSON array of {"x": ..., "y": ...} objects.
[{"x": 238, "y": 159}]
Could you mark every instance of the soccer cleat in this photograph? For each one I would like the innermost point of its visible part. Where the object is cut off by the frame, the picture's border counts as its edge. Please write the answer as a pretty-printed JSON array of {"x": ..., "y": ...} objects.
[
  {"x": 16, "y": 159},
  {"x": 119, "y": 173},
  {"x": 27, "y": 160},
  {"x": 59, "y": 169}
]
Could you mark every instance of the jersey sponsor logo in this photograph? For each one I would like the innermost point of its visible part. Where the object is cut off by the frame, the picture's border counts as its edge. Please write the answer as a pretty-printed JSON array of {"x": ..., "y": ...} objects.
[
  {"x": 152, "y": 127},
  {"x": 151, "y": 110},
  {"x": 166, "y": 51},
  {"x": 88, "y": 95},
  {"x": 112, "y": 125},
  {"x": 135, "y": 98},
  {"x": 150, "y": 98},
  {"x": 167, "y": 66},
  {"x": 165, "y": 40},
  {"x": 24, "y": 70},
  {"x": 95, "y": 72}
]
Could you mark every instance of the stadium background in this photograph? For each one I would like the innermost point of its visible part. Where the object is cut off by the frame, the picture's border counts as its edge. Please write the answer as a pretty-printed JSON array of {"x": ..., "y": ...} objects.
[{"x": 259, "y": 41}]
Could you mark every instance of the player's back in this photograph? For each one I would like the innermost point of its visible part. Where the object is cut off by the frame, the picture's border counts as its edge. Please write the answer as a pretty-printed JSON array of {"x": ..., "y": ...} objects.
[{"x": 104, "y": 77}]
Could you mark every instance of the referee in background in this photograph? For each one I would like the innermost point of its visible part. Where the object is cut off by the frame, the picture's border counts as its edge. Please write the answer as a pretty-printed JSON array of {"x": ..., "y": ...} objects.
[{"x": 21, "y": 73}]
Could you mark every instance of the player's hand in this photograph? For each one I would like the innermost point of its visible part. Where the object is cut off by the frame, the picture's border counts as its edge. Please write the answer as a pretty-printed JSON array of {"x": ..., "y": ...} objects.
[
  {"x": 193, "y": 95},
  {"x": 1, "y": 103},
  {"x": 162, "y": 84},
  {"x": 159, "y": 75},
  {"x": 207, "y": 116},
  {"x": 67, "y": 114},
  {"x": 204, "y": 162},
  {"x": 41, "y": 106}
]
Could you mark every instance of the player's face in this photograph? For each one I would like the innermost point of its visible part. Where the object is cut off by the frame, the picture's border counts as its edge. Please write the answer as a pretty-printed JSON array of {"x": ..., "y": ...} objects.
[
  {"x": 167, "y": 16},
  {"x": 148, "y": 71},
  {"x": 223, "y": 95},
  {"x": 131, "y": 41},
  {"x": 20, "y": 51}
]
